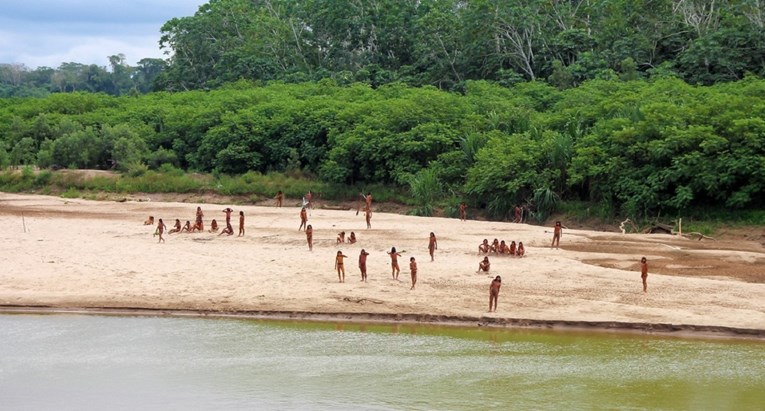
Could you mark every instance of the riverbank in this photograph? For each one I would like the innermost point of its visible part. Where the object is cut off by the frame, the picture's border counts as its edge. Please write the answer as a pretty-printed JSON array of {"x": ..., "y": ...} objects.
[{"x": 73, "y": 253}]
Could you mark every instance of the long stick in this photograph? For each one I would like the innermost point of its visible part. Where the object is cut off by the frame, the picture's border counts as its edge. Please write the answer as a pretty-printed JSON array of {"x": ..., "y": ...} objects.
[{"x": 24, "y": 223}]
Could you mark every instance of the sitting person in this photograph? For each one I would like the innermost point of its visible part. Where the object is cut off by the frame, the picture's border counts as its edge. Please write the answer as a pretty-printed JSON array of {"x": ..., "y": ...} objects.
[
  {"x": 341, "y": 237},
  {"x": 503, "y": 248},
  {"x": 352, "y": 238},
  {"x": 149, "y": 221},
  {"x": 187, "y": 227},
  {"x": 214, "y": 226},
  {"x": 483, "y": 248},
  {"x": 521, "y": 251},
  {"x": 484, "y": 265},
  {"x": 228, "y": 230},
  {"x": 176, "y": 228},
  {"x": 512, "y": 251},
  {"x": 494, "y": 248}
]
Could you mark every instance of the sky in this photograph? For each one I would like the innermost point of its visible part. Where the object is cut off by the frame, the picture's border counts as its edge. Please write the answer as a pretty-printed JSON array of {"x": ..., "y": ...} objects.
[{"x": 47, "y": 33}]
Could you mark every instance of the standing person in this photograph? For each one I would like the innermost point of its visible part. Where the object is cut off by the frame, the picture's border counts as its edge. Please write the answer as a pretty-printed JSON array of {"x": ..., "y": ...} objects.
[
  {"x": 161, "y": 227},
  {"x": 339, "y": 266},
  {"x": 309, "y": 199},
  {"x": 228, "y": 212},
  {"x": 463, "y": 211},
  {"x": 413, "y": 270},
  {"x": 368, "y": 215},
  {"x": 309, "y": 237},
  {"x": 557, "y": 231},
  {"x": 303, "y": 219},
  {"x": 241, "y": 224},
  {"x": 496, "y": 283},
  {"x": 367, "y": 200},
  {"x": 517, "y": 210},
  {"x": 432, "y": 245},
  {"x": 394, "y": 262},
  {"x": 279, "y": 198},
  {"x": 643, "y": 273},
  {"x": 484, "y": 265},
  {"x": 363, "y": 264},
  {"x": 199, "y": 223}
]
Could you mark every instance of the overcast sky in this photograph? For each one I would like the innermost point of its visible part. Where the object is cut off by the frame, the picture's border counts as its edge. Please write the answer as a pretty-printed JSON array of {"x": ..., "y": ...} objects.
[{"x": 50, "y": 32}]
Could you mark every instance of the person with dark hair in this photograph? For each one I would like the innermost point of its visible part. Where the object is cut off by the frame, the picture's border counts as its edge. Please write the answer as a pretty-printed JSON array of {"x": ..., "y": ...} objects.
[
  {"x": 394, "y": 255},
  {"x": 496, "y": 283}
]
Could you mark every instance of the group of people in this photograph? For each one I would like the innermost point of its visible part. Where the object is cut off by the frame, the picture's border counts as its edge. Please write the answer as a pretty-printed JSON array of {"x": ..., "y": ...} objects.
[
  {"x": 501, "y": 248},
  {"x": 198, "y": 225}
]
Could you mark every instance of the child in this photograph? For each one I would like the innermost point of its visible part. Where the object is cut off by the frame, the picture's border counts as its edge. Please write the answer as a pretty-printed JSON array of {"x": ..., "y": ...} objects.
[
  {"x": 176, "y": 228},
  {"x": 484, "y": 265},
  {"x": 161, "y": 227},
  {"x": 352, "y": 238},
  {"x": 496, "y": 283},
  {"x": 341, "y": 237},
  {"x": 303, "y": 218},
  {"x": 241, "y": 224},
  {"x": 214, "y": 226},
  {"x": 432, "y": 245},
  {"x": 394, "y": 262},
  {"x": 339, "y": 266},
  {"x": 309, "y": 237},
  {"x": 521, "y": 251},
  {"x": 557, "y": 231},
  {"x": 413, "y": 270},
  {"x": 643, "y": 272},
  {"x": 363, "y": 264},
  {"x": 483, "y": 248}
]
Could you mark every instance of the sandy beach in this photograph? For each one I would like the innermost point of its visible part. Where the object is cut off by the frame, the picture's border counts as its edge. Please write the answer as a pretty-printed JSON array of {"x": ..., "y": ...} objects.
[{"x": 74, "y": 253}]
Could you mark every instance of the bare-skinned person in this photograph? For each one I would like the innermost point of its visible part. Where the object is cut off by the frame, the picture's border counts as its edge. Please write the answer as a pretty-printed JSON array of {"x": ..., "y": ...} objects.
[
  {"x": 394, "y": 255},
  {"x": 186, "y": 227},
  {"x": 432, "y": 245},
  {"x": 352, "y": 238},
  {"x": 228, "y": 230},
  {"x": 494, "y": 247},
  {"x": 484, "y": 265},
  {"x": 496, "y": 283},
  {"x": 161, "y": 227},
  {"x": 513, "y": 248},
  {"x": 176, "y": 228},
  {"x": 214, "y": 226},
  {"x": 279, "y": 198},
  {"x": 483, "y": 248},
  {"x": 309, "y": 237},
  {"x": 517, "y": 212},
  {"x": 368, "y": 217},
  {"x": 199, "y": 224},
  {"x": 303, "y": 219},
  {"x": 228, "y": 212},
  {"x": 241, "y": 224},
  {"x": 309, "y": 199},
  {"x": 339, "y": 266},
  {"x": 463, "y": 211},
  {"x": 413, "y": 271},
  {"x": 340, "y": 237},
  {"x": 557, "y": 232},
  {"x": 149, "y": 221},
  {"x": 367, "y": 200},
  {"x": 521, "y": 250},
  {"x": 644, "y": 273},
  {"x": 363, "y": 264},
  {"x": 503, "y": 249}
]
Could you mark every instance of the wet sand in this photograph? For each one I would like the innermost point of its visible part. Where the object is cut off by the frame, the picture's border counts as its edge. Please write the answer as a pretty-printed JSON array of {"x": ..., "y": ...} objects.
[{"x": 79, "y": 254}]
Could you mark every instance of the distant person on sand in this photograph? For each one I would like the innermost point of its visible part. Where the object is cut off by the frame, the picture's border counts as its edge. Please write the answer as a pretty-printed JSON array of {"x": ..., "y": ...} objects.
[
  {"x": 339, "y": 266},
  {"x": 463, "y": 211},
  {"x": 279, "y": 198},
  {"x": 644, "y": 273},
  {"x": 503, "y": 248},
  {"x": 309, "y": 199},
  {"x": 303, "y": 219},
  {"x": 341, "y": 237},
  {"x": 228, "y": 212},
  {"x": 367, "y": 200},
  {"x": 413, "y": 270},
  {"x": 149, "y": 221},
  {"x": 352, "y": 238},
  {"x": 161, "y": 227},
  {"x": 557, "y": 231},
  {"x": 187, "y": 227},
  {"x": 512, "y": 250},
  {"x": 199, "y": 224},
  {"x": 496, "y": 283},
  {"x": 176, "y": 228},
  {"x": 432, "y": 245},
  {"x": 521, "y": 251},
  {"x": 483, "y": 248},
  {"x": 394, "y": 255},
  {"x": 241, "y": 224},
  {"x": 228, "y": 230},
  {"x": 494, "y": 248},
  {"x": 517, "y": 218},
  {"x": 309, "y": 237},
  {"x": 363, "y": 264},
  {"x": 484, "y": 265},
  {"x": 368, "y": 215},
  {"x": 214, "y": 226}
]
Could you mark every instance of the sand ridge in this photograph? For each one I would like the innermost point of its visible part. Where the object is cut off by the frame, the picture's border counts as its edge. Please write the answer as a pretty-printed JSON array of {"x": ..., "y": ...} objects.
[{"x": 80, "y": 253}]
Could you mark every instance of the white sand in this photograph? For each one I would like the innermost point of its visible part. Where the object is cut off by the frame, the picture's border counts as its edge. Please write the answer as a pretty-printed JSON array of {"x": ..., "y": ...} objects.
[{"x": 78, "y": 253}]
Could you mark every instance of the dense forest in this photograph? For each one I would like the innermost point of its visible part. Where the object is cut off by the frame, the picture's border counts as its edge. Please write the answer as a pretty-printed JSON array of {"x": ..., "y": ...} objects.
[
  {"x": 636, "y": 106},
  {"x": 443, "y": 43}
]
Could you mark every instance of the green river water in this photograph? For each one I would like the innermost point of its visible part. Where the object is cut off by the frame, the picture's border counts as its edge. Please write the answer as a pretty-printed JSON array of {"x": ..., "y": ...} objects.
[{"x": 71, "y": 362}]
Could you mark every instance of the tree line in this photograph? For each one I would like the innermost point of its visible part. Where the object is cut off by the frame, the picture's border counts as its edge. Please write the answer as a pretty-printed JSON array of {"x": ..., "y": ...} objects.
[{"x": 636, "y": 147}]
